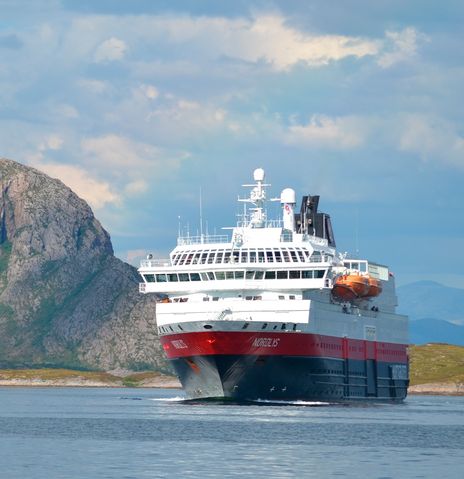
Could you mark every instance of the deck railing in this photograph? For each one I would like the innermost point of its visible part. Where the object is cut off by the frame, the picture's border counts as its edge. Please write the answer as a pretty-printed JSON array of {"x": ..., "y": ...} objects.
[{"x": 204, "y": 239}]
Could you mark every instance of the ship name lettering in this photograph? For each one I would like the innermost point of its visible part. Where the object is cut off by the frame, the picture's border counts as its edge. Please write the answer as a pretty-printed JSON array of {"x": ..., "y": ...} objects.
[
  {"x": 266, "y": 342},
  {"x": 179, "y": 344}
]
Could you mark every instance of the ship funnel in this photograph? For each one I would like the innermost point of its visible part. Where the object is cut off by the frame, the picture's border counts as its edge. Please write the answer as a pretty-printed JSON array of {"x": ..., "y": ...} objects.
[{"x": 288, "y": 201}]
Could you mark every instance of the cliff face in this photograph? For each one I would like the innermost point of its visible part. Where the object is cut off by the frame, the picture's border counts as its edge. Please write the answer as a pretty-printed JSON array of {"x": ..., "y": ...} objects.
[{"x": 64, "y": 298}]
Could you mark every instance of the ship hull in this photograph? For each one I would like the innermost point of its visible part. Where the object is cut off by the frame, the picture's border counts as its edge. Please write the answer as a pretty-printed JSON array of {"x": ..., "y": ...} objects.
[{"x": 245, "y": 377}]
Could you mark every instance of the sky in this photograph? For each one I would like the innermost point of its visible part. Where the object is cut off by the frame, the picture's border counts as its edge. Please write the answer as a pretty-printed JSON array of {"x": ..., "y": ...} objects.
[{"x": 140, "y": 105}]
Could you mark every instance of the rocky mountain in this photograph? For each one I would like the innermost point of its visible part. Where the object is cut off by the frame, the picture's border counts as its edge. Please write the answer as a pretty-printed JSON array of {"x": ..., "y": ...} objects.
[{"x": 65, "y": 299}]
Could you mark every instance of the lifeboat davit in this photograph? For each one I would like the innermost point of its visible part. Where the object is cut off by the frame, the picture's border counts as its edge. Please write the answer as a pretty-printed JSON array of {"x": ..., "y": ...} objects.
[{"x": 352, "y": 286}]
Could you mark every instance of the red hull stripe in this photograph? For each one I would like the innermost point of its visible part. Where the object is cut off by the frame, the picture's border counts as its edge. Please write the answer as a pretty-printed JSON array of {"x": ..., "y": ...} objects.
[{"x": 280, "y": 344}]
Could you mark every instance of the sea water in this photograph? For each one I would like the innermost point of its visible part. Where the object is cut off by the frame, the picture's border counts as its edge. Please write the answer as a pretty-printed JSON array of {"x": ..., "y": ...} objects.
[{"x": 148, "y": 433}]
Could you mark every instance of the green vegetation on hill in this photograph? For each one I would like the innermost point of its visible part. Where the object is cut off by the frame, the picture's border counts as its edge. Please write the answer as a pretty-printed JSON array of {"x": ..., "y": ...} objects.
[{"x": 436, "y": 363}]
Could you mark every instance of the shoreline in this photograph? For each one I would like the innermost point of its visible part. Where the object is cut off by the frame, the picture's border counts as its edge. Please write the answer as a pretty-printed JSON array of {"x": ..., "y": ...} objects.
[
  {"x": 151, "y": 379},
  {"x": 90, "y": 379}
]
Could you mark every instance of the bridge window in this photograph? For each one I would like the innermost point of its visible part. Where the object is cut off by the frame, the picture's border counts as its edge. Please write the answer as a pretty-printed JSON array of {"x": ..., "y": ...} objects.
[
  {"x": 259, "y": 274},
  {"x": 219, "y": 257},
  {"x": 227, "y": 257},
  {"x": 211, "y": 257},
  {"x": 261, "y": 256},
  {"x": 319, "y": 273},
  {"x": 220, "y": 275},
  {"x": 161, "y": 278},
  {"x": 294, "y": 274},
  {"x": 293, "y": 255},
  {"x": 252, "y": 256},
  {"x": 149, "y": 278},
  {"x": 269, "y": 257},
  {"x": 195, "y": 277},
  {"x": 286, "y": 256},
  {"x": 249, "y": 274},
  {"x": 307, "y": 274},
  {"x": 244, "y": 256},
  {"x": 270, "y": 275},
  {"x": 183, "y": 277},
  {"x": 229, "y": 275},
  {"x": 278, "y": 256},
  {"x": 301, "y": 255},
  {"x": 203, "y": 257},
  {"x": 239, "y": 274},
  {"x": 235, "y": 256},
  {"x": 204, "y": 276},
  {"x": 282, "y": 274},
  {"x": 172, "y": 277},
  {"x": 210, "y": 275}
]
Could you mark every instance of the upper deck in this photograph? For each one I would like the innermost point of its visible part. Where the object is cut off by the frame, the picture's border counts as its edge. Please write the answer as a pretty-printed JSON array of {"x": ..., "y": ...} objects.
[{"x": 294, "y": 253}]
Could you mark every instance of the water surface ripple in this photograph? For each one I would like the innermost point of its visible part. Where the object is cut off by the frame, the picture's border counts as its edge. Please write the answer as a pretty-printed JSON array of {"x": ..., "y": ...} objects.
[{"x": 121, "y": 433}]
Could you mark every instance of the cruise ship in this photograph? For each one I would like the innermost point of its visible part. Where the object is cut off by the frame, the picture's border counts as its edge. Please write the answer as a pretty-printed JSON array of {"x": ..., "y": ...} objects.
[{"x": 273, "y": 312}]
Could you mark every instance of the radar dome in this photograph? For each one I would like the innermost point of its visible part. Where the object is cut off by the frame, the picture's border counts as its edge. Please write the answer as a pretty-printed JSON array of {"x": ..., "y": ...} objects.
[
  {"x": 258, "y": 174},
  {"x": 288, "y": 196}
]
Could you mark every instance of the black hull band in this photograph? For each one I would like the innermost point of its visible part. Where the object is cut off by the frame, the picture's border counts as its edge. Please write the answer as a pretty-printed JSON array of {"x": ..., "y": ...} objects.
[{"x": 248, "y": 377}]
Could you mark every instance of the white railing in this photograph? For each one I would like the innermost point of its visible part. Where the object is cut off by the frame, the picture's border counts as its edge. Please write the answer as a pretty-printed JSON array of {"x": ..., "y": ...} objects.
[
  {"x": 151, "y": 263},
  {"x": 204, "y": 239}
]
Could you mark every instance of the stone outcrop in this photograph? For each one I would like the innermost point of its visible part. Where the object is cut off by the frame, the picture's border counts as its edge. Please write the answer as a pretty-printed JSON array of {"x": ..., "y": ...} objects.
[
  {"x": 438, "y": 389},
  {"x": 65, "y": 299}
]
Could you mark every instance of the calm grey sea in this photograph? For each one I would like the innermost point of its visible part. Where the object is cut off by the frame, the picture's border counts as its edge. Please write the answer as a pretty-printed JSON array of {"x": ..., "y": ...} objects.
[{"x": 142, "y": 433}]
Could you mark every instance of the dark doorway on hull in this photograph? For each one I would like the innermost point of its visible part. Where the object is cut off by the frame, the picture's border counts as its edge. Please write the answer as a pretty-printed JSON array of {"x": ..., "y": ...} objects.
[{"x": 371, "y": 377}]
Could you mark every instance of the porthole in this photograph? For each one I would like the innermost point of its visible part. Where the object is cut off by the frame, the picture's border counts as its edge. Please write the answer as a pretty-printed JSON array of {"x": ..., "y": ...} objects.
[{"x": 207, "y": 326}]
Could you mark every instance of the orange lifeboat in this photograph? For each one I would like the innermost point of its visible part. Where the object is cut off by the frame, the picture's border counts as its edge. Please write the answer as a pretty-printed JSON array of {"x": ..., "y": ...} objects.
[
  {"x": 375, "y": 287},
  {"x": 350, "y": 286}
]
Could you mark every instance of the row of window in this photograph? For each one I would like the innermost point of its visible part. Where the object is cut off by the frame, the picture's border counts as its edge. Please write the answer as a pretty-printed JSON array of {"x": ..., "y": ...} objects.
[
  {"x": 221, "y": 275},
  {"x": 260, "y": 255}
]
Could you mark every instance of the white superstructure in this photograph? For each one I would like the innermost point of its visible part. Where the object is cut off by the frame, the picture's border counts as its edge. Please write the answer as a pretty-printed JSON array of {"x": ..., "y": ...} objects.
[{"x": 269, "y": 275}]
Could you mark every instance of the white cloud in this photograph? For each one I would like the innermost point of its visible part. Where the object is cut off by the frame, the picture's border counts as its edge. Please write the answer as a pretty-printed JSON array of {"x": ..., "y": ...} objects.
[
  {"x": 269, "y": 38},
  {"x": 433, "y": 138},
  {"x": 94, "y": 86},
  {"x": 399, "y": 46},
  {"x": 332, "y": 133},
  {"x": 67, "y": 111},
  {"x": 96, "y": 193},
  {"x": 266, "y": 38},
  {"x": 110, "y": 50},
  {"x": 52, "y": 142},
  {"x": 136, "y": 187},
  {"x": 150, "y": 91},
  {"x": 118, "y": 151}
]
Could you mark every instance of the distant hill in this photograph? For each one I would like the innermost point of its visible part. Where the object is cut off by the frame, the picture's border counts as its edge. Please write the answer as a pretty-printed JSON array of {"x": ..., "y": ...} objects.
[
  {"x": 436, "y": 312},
  {"x": 428, "y": 299},
  {"x": 436, "y": 363}
]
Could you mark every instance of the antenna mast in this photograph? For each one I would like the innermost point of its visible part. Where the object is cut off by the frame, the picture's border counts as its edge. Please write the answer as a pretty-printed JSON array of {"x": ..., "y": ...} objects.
[{"x": 201, "y": 217}]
